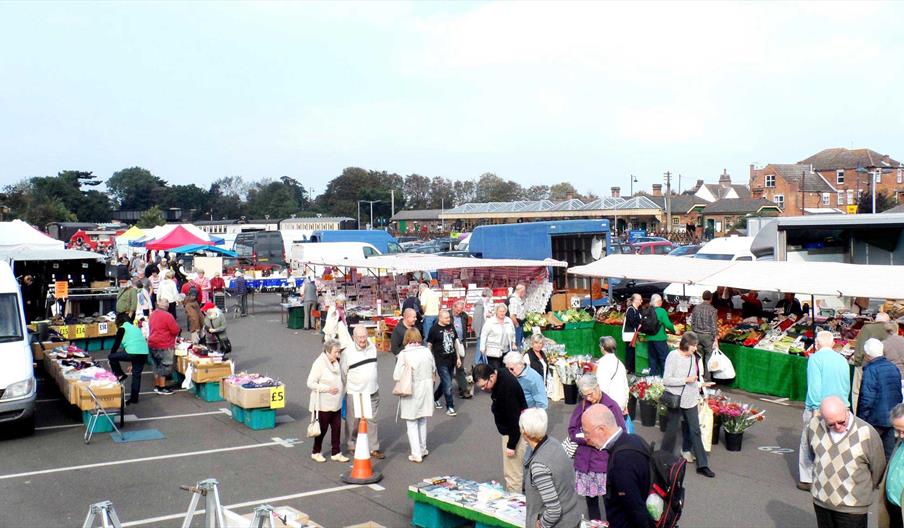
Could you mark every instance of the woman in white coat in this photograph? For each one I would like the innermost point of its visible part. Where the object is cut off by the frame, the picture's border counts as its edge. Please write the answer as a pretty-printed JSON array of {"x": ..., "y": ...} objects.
[
  {"x": 335, "y": 326},
  {"x": 416, "y": 408}
]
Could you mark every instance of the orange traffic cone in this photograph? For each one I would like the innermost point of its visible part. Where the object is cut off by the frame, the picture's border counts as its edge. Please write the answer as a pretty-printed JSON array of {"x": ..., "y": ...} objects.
[{"x": 362, "y": 471}]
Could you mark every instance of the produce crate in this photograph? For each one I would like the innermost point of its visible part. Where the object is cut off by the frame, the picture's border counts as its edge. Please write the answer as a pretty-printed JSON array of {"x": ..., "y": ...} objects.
[
  {"x": 238, "y": 414},
  {"x": 209, "y": 392},
  {"x": 259, "y": 419},
  {"x": 102, "y": 425}
]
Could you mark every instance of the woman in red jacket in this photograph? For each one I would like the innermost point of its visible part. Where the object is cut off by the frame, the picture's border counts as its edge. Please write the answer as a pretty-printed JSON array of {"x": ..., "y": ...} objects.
[{"x": 162, "y": 345}]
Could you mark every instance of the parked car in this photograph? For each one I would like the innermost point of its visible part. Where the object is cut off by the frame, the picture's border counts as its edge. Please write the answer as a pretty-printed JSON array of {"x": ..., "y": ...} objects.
[
  {"x": 657, "y": 247},
  {"x": 455, "y": 254},
  {"x": 686, "y": 251},
  {"x": 642, "y": 239}
]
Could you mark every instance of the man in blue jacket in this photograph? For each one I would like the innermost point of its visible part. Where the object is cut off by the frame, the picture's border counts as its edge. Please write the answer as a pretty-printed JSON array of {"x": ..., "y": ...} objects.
[
  {"x": 628, "y": 475},
  {"x": 879, "y": 393}
]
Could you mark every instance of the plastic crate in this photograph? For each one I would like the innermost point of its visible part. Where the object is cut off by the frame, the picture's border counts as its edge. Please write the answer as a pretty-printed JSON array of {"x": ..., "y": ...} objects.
[
  {"x": 238, "y": 414},
  {"x": 258, "y": 419},
  {"x": 209, "y": 392},
  {"x": 95, "y": 344},
  {"x": 102, "y": 425},
  {"x": 295, "y": 318}
]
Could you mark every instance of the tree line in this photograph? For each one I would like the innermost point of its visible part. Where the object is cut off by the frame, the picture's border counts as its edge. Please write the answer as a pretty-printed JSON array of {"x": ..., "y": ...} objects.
[{"x": 72, "y": 196}]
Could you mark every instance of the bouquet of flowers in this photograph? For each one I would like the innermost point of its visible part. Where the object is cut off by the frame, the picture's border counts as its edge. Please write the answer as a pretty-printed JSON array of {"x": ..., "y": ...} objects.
[
  {"x": 569, "y": 370},
  {"x": 649, "y": 388},
  {"x": 534, "y": 319},
  {"x": 737, "y": 417}
]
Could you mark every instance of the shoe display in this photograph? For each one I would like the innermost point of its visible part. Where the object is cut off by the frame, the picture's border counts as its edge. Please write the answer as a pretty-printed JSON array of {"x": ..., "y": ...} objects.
[
  {"x": 317, "y": 457},
  {"x": 378, "y": 455},
  {"x": 451, "y": 412},
  {"x": 706, "y": 472},
  {"x": 339, "y": 457}
]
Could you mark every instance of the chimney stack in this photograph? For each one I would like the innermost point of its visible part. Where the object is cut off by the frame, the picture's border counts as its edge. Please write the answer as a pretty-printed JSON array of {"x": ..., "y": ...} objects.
[
  {"x": 725, "y": 179},
  {"x": 657, "y": 189},
  {"x": 616, "y": 192}
]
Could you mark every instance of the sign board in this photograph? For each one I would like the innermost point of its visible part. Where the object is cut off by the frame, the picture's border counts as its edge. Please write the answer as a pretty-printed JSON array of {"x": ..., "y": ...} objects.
[
  {"x": 852, "y": 209},
  {"x": 210, "y": 265},
  {"x": 278, "y": 397},
  {"x": 81, "y": 331},
  {"x": 634, "y": 233},
  {"x": 61, "y": 289},
  {"x": 102, "y": 328}
]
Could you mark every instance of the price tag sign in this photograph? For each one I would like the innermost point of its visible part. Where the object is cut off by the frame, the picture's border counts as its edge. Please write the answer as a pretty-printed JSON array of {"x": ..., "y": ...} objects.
[
  {"x": 278, "y": 397},
  {"x": 61, "y": 289},
  {"x": 81, "y": 331},
  {"x": 64, "y": 331},
  {"x": 102, "y": 328}
]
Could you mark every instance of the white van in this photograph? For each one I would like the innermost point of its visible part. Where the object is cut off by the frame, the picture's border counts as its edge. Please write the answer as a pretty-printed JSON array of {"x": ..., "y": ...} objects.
[
  {"x": 724, "y": 248},
  {"x": 17, "y": 378},
  {"x": 325, "y": 251}
]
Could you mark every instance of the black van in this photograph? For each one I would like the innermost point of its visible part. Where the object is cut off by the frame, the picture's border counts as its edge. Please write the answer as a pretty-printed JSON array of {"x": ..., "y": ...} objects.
[{"x": 264, "y": 249}]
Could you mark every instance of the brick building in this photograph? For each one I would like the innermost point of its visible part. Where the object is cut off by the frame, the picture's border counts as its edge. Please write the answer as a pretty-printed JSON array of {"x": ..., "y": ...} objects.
[
  {"x": 793, "y": 188},
  {"x": 839, "y": 166}
]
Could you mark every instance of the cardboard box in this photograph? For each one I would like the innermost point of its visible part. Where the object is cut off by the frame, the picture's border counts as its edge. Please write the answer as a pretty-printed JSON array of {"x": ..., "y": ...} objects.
[
  {"x": 99, "y": 284},
  {"x": 109, "y": 397},
  {"x": 100, "y": 330},
  {"x": 38, "y": 349},
  {"x": 250, "y": 398},
  {"x": 559, "y": 302},
  {"x": 208, "y": 372}
]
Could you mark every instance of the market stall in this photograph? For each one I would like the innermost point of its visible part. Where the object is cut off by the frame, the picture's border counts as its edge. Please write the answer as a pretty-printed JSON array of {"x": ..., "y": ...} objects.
[
  {"x": 455, "y": 501},
  {"x": 769, "y": 357}
]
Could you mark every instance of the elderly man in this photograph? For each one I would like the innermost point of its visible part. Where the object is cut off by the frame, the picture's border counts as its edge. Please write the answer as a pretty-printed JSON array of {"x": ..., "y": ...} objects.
[
  {"x": 658, "y": 347},
  {"x": 874, "y": 330},
  {"x": 828, "y": 374},
  {"x": 705, "y": 323},
  {"x": 879, "y": 393},
  {"x": 517, "y": 311},
  {"x": 460, "y": 322},
  {"x": 241, "y": 291},
  {"x": 849, "y": 462},
  {"x": 531, "y": 382},
  {"x": 309, "y": 300},
  {"x": 628, "y": 475},
  {"x": 508, "y": 404},
  {"x": 409, "y": 320},
  {"x": 127, "y": 299},
  {"x": 359, "y": 368}
]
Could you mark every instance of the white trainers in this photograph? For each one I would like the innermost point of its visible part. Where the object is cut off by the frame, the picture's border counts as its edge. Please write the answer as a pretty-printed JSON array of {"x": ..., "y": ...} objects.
[
  {"x": 317, "y": 457},
  {"x": 688, "y": 456},
  {"x": 339, "y": 457},
  {"x": 416, "y": 460}
]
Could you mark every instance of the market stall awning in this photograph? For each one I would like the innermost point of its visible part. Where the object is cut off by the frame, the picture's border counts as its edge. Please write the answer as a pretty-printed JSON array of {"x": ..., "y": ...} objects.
[
  {"x": 814, "y": 278},
  {"x": 661, "y": 268},
  {"x": 197, "y": 248},
  {"x": 48, "y": 254},
  {"x": 176, "y": 238},
  {"x": 404, "y": 263},
  {"x": 132, "y": 233},
  {"x": 18, "y": 235}
]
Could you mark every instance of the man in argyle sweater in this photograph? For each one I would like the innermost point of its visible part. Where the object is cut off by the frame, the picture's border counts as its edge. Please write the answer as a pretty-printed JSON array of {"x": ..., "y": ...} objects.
[{"x": 848, "y": 464}]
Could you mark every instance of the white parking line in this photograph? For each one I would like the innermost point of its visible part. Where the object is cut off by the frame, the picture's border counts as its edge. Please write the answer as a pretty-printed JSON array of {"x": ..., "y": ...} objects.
[
  {"x": 312, "y": 493},
  {"x": 276, "y": 442},
  {"x": 149, "y": 418}
]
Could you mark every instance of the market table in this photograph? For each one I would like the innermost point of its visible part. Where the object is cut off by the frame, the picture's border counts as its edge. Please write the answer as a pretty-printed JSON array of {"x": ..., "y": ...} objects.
[
  {"x": 757, "y": 371},
  {"x": 426, "y": 516}
]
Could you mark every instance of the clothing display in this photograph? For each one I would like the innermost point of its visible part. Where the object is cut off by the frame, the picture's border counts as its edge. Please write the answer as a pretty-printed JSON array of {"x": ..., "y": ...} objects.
[{"x": 459, "y": 494}]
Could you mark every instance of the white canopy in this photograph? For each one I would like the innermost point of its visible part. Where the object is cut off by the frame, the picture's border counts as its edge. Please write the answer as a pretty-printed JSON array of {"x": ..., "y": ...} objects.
[
  {"x": 24, "y": 254},
  {"x": 18, "y": 235},
  {"x": 814, "y": 278},
  {"x": 651, "y": 267},
  {"x": 409, "y": 262}
]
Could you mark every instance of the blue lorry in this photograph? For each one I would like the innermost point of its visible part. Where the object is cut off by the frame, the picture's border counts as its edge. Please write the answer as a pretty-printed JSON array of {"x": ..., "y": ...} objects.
[
  {"x": 380, "y": 239},
  {"x": 574, "y": 241}
]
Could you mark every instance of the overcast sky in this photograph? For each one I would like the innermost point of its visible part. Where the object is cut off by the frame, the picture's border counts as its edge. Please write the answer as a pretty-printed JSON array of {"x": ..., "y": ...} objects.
[{"x": 535, "y": 92}]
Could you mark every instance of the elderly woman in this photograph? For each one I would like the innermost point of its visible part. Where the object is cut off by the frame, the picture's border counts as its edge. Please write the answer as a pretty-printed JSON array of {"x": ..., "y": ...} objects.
[
  {"x": 536, "y": 357},
  {"x": 482, "y": 309},
  {"x": 590, "y": 464},
  {"x": 335, "y": 326},
  {"x": 168, "y": 292},
  {"x": 325, "y": 382},
  {"x": 416, "y": 408},
  {"x": 684, "y": 377},
  {"x": 548, "y": 478},
  {"x": 497, "y": 337},
  {"x": 611, "y": 374}
]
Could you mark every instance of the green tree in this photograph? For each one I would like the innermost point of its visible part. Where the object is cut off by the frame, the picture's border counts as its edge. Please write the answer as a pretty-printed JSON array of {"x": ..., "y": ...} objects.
[
  {"x": 193, "y": 200},
  {"x": 136, "y": 188},
  {"x": 865, "y": 204},
  {"x": 226, "y": 197},
  {"x": 416, "y": 189},
  {"x": 537, "y": 192},
  {"x": 492, "y": 188},
  {"x": 152, "y": 217},
  {"x": 343, "y": 192},
  {"x": 442, "y": 193},
  {"x": 563, "y": 191},
  {"x": 464, "y": 191},
  {"x": 273, "y": 199}
]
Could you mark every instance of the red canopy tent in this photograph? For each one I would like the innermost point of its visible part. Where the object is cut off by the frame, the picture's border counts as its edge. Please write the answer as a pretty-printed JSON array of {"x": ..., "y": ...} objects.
[{"x": 175, "y": 238}]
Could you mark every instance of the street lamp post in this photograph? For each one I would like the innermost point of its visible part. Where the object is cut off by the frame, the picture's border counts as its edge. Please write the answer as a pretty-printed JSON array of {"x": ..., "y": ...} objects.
[
  {"x": 371, "y": 202},
  {"x": 633, "y": 181}
]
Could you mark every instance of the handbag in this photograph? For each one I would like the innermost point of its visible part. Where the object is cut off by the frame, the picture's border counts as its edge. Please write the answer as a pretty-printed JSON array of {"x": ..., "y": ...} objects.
[
  {"x": 403, "y": 387},
  {"x": 460, "y": 348},
  {"x": 672, "y": 400},
  {"x": 314, "y": 426},
  {"x": 225, "y": 343}
]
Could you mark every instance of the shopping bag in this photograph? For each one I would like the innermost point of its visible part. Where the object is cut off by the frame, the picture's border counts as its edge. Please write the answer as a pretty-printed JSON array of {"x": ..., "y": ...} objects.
[
  {"x": 187, "y": 383},
  {"x": 403, "y": 387},
  {"x": 705, "y": 414},
  {"x": 629, "y": 424},
  {"x": 720, "y": 366}
]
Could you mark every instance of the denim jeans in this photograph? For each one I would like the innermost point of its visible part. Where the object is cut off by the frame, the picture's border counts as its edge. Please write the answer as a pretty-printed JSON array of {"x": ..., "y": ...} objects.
[
  {"x": 429, "y": 321},
  {"x": 657, "y": 351},
  {"x": 445, "y": 383},
  {"x": 519, "y": 335},
  {"x": 137, "y": 360}
]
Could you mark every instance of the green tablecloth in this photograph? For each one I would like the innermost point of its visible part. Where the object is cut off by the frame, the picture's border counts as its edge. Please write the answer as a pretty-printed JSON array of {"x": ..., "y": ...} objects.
[
  {"x": 757, "y": 371},
  {"x": 480, "y": 518}
]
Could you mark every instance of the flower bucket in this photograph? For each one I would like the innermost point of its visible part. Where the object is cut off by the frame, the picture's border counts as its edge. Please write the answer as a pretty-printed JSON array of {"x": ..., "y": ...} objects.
[
  {"x": 571, "y": 393},
  {"x": 632, "y": 407},
  {"x": 733, "y": 441},
  {"x": 663, "y": 421},
  {"x": 648, "y": 410},
  {"x": 717, "y": 426}
]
